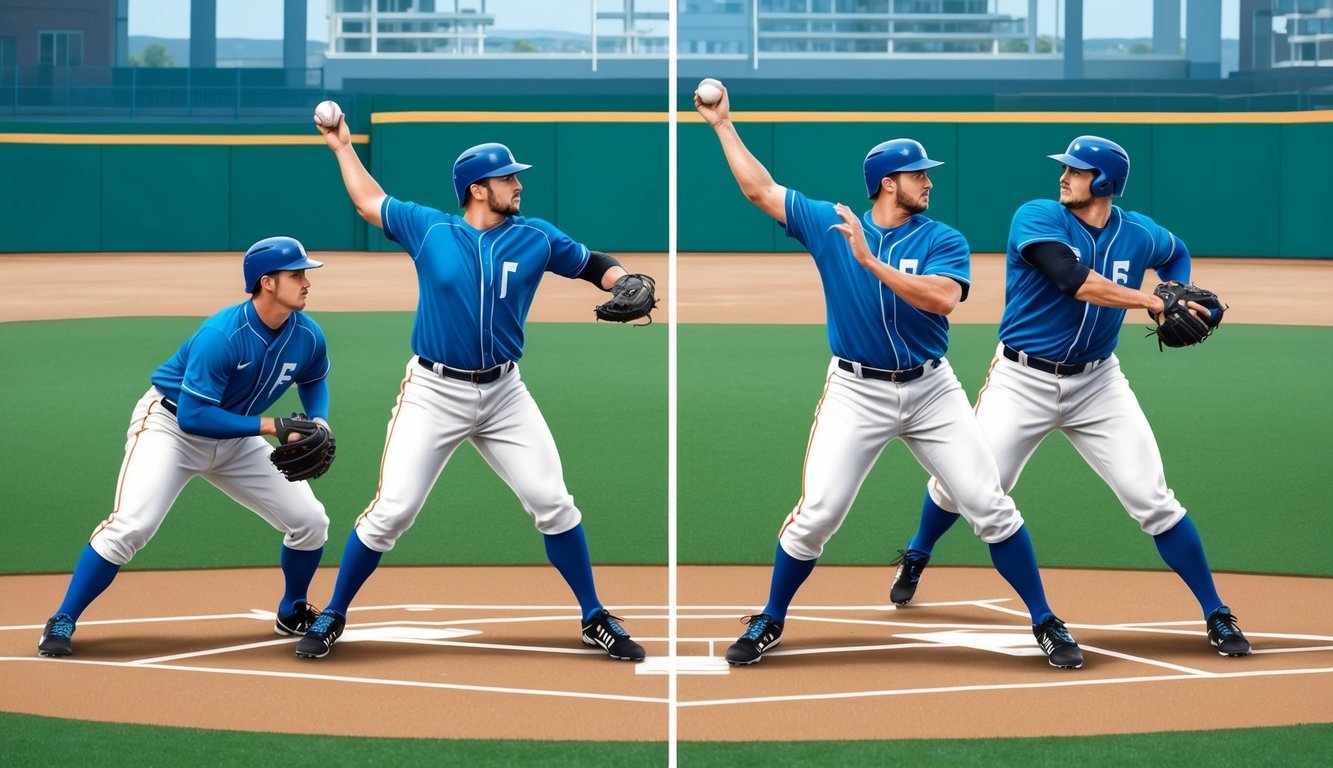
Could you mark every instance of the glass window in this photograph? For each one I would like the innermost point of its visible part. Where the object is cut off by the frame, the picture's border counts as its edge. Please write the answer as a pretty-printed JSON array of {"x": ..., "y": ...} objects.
[
  {"x": 60, "y": 49},
  {"x": 7, "y": 51}
]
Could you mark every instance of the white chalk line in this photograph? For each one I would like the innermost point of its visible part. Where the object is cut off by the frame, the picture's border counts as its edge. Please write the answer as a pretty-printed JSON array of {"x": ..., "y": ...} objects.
[
  {"x": 346, "y": 679},
  {"x": 989, "y": 604},
  {"x": 998, "y": 687}
]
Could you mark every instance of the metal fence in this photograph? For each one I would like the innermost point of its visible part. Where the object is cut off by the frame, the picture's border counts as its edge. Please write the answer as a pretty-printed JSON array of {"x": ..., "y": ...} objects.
[{"x": 46, "y": 91}]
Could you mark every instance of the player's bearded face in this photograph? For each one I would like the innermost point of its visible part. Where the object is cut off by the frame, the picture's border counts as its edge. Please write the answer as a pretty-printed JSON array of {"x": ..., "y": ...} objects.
[
  {"x": 913, "y": 191},
  {"x": 1075, "y": 188},
  {"x": 504, "y": 194}
]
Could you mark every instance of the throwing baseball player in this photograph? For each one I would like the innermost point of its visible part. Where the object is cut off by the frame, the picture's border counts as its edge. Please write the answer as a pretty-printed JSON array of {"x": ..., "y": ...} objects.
[
  {"x": 1073, "y": 268},
  {"x": 201, "y": 417},
  {"x": 477, "y": 273},
  {"x": 890, "y": 278}
]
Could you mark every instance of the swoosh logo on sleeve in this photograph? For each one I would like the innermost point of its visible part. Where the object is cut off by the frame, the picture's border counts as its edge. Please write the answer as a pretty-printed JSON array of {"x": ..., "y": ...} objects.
[{"x": 242, "y": 366}]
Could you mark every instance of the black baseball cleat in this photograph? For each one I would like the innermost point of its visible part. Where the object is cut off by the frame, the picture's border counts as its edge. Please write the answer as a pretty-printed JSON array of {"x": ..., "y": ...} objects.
[
  {"x": 604, "y": 631},
  {"x": 1055, "y": 640},
  {"x": 298, "y": 621},
  {"x": 57, "y": 636},
  {"x": 911, "y": 563},
  {"x": 763, "y": 635},
  {"x": 1225, "y": 634},
  {"x": 321, "y": 636}
]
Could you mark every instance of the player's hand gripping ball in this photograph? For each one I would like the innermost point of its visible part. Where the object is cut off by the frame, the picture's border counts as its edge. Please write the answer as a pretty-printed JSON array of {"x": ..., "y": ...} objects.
[
  {"x": 305, "y": 447},
  {"x": 632, "y": 297},
  {"x": 709, "y": 91},
  {"x": 1178, "y": 326},
  {"x": 327, "y": 114}
]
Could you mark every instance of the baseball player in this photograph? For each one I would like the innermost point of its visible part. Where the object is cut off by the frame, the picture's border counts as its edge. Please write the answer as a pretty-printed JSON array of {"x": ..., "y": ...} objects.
[
  {"x": 1072, "y": 269},
  {"x": 478, "y": 273},
  {"x": 201, "y": 417},
  {"x": 890, "y": 277}
]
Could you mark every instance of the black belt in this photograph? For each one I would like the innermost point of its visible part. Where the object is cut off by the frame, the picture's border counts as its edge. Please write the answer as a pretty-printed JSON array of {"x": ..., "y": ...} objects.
[
  {"x": 909, "y": 374},
  {"x": 485, "y": 376},
  {"x": 170, "y": 406},
  {"x": 1046, "y": 366}
]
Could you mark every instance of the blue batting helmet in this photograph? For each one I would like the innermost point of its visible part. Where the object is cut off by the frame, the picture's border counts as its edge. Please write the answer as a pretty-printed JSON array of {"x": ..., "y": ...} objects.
[
  {"x": 1107, "y": 158},
  {"x": 272, "y": 255},
  {"x": 484, "y": 161},
  {"x": 893, "y": 156}
]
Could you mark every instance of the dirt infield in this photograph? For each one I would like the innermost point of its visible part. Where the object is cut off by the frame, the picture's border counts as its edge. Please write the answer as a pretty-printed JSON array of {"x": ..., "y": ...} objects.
[
  {"x": 714, "y": 288},
  {"x": 55, "y": 286},
  {"x": 784, "y": 288},
  {"x": 961, "y": 662},
  {"x": 424, "y": 656}
]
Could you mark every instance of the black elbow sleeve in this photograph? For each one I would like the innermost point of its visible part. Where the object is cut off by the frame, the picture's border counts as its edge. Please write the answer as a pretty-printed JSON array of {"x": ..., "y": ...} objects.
[
  {"x": 1059, "y": 264},
  {"x": 597, "y": 265}
]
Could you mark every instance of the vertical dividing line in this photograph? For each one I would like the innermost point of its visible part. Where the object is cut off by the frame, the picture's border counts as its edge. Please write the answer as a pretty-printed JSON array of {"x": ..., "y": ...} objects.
[{"x": 672, "y": 389}]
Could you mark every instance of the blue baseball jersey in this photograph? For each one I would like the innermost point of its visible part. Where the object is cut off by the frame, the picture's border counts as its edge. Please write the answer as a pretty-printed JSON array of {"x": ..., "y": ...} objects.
[
  {"x": 867, "y": 322},
  {"x": 1041, "y": 320},
  {"x": 242, "y": 366},
  {"x": 475, "y": 286}
]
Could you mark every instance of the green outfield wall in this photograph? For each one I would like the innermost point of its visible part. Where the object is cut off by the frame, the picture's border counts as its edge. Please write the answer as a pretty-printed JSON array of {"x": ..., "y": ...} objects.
[
  {"x": 1226, "y": 188},
  {"x": 1229, "y": 184}
]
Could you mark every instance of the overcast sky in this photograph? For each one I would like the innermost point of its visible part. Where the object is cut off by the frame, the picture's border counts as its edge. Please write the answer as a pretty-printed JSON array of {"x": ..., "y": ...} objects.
[{"x": 263, "y": 18}]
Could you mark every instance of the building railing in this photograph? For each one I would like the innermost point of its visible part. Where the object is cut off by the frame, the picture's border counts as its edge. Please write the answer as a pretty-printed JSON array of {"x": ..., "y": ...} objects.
[{"x": 238, "y": 92}]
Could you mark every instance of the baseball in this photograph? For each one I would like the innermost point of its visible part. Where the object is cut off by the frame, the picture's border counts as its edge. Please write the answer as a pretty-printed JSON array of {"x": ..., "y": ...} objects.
[
  {"x": 327, "y": 114},
  {"x": 709, "y": 91}
]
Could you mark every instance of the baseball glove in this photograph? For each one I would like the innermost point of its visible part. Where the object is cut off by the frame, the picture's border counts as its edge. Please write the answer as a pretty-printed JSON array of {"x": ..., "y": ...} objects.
[
  {"x": 632, "y": 297},
  {"x": 1177, "y": 326},
  {"x": 310, "y": 455}
]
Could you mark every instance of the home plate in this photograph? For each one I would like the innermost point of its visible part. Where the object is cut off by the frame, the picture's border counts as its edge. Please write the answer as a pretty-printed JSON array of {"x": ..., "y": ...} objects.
[
  {"x": 1008, "y": 643},
  {"x": 685, "y": 665},
  {"x": 400, "y": 634}
]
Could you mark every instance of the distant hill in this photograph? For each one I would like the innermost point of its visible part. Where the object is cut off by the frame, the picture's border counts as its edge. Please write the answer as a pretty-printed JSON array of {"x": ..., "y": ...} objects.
[{"x": 230, "y": 49}]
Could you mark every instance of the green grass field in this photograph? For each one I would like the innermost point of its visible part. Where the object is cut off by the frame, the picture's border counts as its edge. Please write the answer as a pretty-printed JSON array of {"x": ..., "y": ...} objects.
[
  {"x": 24, "y": 737},
  {"x": 1243, "y": 439},
  {"x": 70, "y": 386}
]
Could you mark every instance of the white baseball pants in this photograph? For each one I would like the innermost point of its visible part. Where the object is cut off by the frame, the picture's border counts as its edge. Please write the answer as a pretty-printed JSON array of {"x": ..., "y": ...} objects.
[
  {"x": 433, "y": 416},
  {"x": 856, "y": 418},
  {"x": 160, "y": 459},
  {"x": 1018, "y": 406}
]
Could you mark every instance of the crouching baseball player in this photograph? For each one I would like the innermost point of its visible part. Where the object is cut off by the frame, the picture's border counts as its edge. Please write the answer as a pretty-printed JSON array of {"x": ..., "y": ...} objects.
[
  {"x": 1072, "y": 269},
  {"x": 478, "y": 273},
  {"x": 201, "y": 417},
  {"x": 889, "y": 278}
]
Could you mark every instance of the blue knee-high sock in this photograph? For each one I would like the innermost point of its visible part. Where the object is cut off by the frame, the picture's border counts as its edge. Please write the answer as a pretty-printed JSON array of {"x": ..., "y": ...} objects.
[
  {"x": 359, "y": 561},
  {"x": 1182, "y": 549},
  {"x": 298, "y": 568},
  {"x": 1017, "y": 563},
  {"x": 568, "y": 552},
  {"x": 935, "y": 522},
  {"x": 788, "y": 576},
  {"x": 92, "y": 575}
]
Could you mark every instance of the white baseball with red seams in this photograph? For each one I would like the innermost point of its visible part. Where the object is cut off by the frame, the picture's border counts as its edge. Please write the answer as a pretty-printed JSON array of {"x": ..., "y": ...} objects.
[{"x": 327, "y": 114}]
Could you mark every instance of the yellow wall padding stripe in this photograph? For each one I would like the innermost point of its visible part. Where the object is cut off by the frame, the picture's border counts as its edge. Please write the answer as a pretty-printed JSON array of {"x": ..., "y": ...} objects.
[
  {"x": 518, "y": 117},
  {"x": 1157, "y": 118},
  {"x": 167, "y": 138}
]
